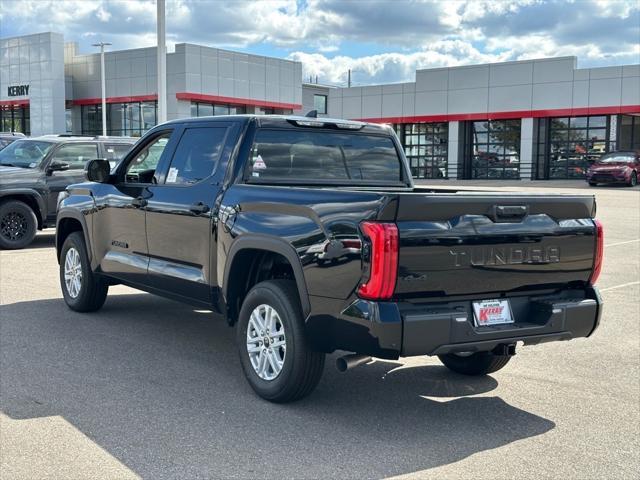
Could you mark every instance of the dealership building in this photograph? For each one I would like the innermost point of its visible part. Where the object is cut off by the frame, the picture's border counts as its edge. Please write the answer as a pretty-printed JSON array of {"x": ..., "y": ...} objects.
[{"x": 531, "y": 119}]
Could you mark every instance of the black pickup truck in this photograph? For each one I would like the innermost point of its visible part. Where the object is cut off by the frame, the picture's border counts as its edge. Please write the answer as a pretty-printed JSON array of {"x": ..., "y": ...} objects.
[{"x": 309, "y": 236}]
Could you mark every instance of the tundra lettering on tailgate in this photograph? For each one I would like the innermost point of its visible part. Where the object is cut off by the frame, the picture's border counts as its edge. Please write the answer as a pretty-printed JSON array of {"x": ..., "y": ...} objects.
[{"x": 488, "y": 256}]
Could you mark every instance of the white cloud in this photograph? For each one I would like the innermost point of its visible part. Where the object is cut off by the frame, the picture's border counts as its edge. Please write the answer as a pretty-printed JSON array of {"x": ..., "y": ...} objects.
[
  {"x": 390, "y": 67},
  {"x": 387, "y": 40}
]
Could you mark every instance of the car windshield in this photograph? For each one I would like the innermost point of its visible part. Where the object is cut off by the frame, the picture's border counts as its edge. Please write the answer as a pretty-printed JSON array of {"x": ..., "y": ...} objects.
[
  {"x": 617, "y": 158},
  {"x": 5, "y": 141},
  {"x": 24, "y": 153}
]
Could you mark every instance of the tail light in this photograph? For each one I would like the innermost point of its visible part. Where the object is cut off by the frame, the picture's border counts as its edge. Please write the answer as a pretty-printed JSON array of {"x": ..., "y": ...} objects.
[
  {"x": 599, "y": 254},
  {"x": 383, "y": 269}
]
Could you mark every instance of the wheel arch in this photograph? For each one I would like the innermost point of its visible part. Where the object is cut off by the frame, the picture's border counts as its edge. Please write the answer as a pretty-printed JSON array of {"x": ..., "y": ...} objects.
[
  {"x": 67, "y": 223},
  {"x": 31, "y": 198},
  {"x": 246, "y": 251}
]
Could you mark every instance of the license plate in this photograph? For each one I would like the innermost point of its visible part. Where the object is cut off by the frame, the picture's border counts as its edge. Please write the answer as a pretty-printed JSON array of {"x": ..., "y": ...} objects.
[{"x": 492, "y": 312}]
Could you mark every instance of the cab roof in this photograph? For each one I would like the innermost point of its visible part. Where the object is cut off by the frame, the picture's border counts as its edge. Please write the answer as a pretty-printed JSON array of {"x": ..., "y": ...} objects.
[
  {"x": 81, "y": 138},
  {"x": 289, "y": 121}
]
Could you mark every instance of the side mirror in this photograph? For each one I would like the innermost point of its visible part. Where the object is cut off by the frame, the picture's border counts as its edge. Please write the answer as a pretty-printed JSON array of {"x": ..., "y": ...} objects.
[
  {"x": 98, "y": 170},
  {"x": 57, "y": 166}
]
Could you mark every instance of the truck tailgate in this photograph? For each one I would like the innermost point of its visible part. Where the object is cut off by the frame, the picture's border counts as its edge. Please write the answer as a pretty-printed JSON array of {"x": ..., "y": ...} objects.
[{"x": 477, "y": 242}]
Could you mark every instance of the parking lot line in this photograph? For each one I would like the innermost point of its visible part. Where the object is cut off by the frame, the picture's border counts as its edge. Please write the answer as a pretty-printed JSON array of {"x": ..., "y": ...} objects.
[
  {"x": 622, "y": 243},
  {"x": 622, "y": 285}
]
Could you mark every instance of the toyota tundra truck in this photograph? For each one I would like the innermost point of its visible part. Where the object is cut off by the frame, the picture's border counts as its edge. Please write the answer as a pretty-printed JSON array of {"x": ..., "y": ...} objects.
[{"x": 309, "y": 236}]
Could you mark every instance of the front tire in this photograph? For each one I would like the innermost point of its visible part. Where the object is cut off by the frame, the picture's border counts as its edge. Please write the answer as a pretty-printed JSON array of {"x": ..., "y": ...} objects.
[
  {"x": 633, "y": 181},
  {"x": 275, "y": 356},
  {"x": 593, "y": 184},
  {"x": 83, "y": 291},
  {"x": 479, "y": 363},
  {"x": 18, "y": 225}
]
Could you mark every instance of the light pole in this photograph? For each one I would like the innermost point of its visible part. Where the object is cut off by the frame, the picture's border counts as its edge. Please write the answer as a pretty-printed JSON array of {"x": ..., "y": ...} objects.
[
  {"x": 162, "y": 62},
  {"x": 103, "y": 86}
]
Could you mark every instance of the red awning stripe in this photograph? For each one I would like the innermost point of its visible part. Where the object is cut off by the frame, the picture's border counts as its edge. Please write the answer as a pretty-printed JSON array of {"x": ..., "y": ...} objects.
[
  {"x": 14, "y": 103},
  {"x": 559, "y": 112},
  {"x": 131, "y": 99},
  {"x": 199, "y": 97}
]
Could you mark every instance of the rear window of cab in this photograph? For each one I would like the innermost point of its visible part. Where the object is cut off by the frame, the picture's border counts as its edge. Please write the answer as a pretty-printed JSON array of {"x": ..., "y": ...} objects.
[{"x": 306, "y": 156}]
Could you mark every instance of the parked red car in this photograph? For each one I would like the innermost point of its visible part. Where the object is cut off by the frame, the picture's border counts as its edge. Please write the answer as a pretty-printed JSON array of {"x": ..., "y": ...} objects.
[{"x": 615, "y": 167}]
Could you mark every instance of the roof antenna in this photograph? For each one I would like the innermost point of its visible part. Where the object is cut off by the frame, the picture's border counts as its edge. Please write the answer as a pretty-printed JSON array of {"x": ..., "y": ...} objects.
[{"x": 312, "y": 114}]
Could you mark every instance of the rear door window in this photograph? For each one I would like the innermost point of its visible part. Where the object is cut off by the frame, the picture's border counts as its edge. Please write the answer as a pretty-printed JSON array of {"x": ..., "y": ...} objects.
[
  {"x": 76, "y": 154},
  {"x": 196, "y": 155},
  {"x": 323, "y": 156},
  {"x": 116, "y": 151}
]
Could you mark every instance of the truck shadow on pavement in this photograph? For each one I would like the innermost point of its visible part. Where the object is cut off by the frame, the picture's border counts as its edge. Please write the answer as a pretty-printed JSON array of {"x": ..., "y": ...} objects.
[
  {"x": 44, "y": 239},
  {"x": 158, "y": 385}
]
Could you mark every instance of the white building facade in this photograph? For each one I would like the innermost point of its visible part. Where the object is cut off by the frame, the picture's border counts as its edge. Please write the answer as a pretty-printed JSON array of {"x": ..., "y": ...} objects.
[{"x": 534, "y": 119}]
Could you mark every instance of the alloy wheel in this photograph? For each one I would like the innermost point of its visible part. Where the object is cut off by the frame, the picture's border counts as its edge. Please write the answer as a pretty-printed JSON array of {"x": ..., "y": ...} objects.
[
  {"x": 266, "y": 342},
  {"x": 73, "y": 272}
]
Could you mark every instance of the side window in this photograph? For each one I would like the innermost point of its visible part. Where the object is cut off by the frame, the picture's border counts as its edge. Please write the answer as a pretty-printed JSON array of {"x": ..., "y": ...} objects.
[
  {"x": 116, "y": 151},
  {"x": 196, "y": 155},
  {"x": 76, "y": 154},
  {"x": 143, "y": 166}
]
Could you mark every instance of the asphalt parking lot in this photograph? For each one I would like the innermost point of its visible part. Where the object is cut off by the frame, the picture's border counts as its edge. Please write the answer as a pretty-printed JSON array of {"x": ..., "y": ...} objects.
[{"x": 150, "y": 388}]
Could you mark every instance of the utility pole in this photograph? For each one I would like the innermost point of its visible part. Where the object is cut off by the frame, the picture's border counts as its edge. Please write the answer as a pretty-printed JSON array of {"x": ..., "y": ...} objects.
[
  {"x": 162, "y": 62},
  {"x": 103, "y": 86},
  {"x": 349, "y": 79}
]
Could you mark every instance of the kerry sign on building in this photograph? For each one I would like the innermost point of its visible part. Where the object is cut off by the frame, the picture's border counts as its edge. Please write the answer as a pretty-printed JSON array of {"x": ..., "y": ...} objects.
[{"x": 18, "y": 91}]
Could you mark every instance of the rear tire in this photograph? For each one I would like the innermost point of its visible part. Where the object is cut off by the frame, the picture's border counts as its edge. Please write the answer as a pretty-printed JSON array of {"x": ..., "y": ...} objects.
[
  {"x": 18, "y": 225},
  {"x": 592, "y": 184},
  {"x": 83, "y": 291},
  {"x": 293, "y": 369},
  {"x": 479, "y": 363},
  {"x": 633, "y": 181}
]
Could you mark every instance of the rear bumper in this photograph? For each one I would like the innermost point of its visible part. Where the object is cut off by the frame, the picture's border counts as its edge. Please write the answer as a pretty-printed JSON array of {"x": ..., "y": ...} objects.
[
  {"x": 390, "y": 330},
  {"x": 537, "y": 320}
]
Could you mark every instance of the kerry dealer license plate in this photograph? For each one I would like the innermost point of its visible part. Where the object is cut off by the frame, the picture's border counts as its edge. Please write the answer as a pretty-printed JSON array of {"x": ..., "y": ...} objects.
[{"x": 492, "y": 312}]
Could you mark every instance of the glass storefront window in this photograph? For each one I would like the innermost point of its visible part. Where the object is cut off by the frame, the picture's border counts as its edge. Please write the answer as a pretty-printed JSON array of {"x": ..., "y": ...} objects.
[
  {"x": 149, "y": 115},
  {"x": 629, "y": 132},
  {"x": 495, "y": 149},
  {"x": 135, "y": 124},
  {"x": 91, "y": 117},
  {"x": 15, "y": 119},
  {"x": 117, "y": 120},
  {"x": 221, "y": 110},
  {"x": 209, "y": 109},
  {"x": 426, "y": 148},
  {"x": 123, "y": 119},
  {"x": 204, "y": 110},
  {"x": 574, "y": 144}
]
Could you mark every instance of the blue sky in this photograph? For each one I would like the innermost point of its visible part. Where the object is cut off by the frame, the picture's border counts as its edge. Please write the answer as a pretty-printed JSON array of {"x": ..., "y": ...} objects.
[{"x": 381, "y": 41}]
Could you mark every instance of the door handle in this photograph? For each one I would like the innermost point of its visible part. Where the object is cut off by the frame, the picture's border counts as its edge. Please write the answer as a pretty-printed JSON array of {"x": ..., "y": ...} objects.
[
  {"x": 199, "y": 207},
  {"x": 139, "y": 202}
]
